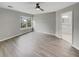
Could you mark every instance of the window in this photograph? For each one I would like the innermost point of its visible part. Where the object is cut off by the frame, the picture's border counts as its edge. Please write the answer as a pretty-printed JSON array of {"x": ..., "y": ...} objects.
[{"x": 26, "y": 22}]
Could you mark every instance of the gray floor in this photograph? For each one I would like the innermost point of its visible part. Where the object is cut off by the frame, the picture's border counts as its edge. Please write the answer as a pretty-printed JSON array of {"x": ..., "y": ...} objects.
[{"x": 37, "y": 45}]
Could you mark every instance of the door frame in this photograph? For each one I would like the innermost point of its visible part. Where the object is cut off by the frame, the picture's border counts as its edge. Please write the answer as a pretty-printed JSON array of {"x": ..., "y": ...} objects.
[{"x": 72, "y": 25}]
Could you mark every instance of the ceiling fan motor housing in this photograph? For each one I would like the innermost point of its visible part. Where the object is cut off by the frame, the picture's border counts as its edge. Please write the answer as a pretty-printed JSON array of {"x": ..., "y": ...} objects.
[{"x": 37, "y": 5}]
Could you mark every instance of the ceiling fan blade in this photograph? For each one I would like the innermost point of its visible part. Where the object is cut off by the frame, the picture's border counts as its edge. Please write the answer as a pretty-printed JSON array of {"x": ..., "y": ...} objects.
[{"x": 41, "y": 9}]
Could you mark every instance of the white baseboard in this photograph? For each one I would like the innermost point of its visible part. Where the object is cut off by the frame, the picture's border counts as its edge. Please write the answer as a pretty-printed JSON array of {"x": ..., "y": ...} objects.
[
  {"x": 9, "y": 37},
  {"x": 46, "y": 33},
  {"x": 49, "y": 34},
  {"x": 12, "y": 36},
  {"x": 75, "y": 47},
  {"x": 57, "y": 36}
]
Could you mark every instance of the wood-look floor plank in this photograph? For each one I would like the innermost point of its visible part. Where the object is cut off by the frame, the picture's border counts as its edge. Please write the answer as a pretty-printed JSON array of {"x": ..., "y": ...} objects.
[{"x": 37, "y": 45}]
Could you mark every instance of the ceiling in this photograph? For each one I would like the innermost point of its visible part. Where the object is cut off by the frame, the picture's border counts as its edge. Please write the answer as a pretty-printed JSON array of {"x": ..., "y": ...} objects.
[{"x": 29, "y": 7}]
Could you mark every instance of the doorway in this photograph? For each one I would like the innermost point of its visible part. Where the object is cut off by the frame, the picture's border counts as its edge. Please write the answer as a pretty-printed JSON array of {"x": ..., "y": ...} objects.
[{"x": 66, "y": 25}]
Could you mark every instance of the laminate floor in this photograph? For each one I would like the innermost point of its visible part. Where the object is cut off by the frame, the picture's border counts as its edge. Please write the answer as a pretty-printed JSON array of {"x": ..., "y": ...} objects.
[{"x": 36, "y": 44}]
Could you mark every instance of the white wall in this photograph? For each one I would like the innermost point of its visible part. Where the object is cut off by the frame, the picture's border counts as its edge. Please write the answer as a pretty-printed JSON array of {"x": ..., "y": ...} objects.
[
  {"x": 10, "y": 23},
  {"x": 76, "y": 26},
  {"x": 45, "y": 23}
]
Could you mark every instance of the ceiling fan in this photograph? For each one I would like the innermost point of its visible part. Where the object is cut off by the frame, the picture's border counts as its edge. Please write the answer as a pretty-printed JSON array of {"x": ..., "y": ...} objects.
[{"x": 38, "y": 7}]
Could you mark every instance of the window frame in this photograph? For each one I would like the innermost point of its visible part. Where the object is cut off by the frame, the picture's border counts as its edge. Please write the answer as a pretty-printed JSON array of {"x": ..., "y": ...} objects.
[{"x": 22, "y": 18}]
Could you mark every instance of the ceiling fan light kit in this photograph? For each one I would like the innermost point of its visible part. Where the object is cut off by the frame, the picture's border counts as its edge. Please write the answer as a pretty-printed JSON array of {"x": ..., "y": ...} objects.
[{"x": 38, "y": 7}]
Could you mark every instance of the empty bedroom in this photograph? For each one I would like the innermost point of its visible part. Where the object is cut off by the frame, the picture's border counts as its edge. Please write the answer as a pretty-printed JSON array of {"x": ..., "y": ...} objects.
[{"x": 39, "y": 29}]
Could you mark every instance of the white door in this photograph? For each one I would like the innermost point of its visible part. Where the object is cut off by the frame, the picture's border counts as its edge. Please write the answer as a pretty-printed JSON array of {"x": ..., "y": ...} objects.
[{"x": 67, "y": 26}]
